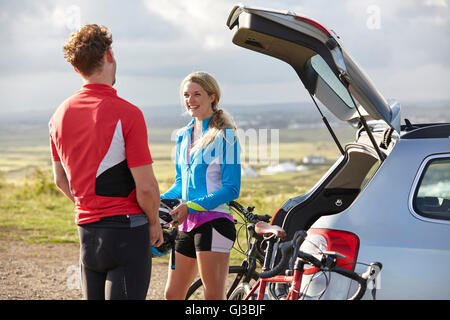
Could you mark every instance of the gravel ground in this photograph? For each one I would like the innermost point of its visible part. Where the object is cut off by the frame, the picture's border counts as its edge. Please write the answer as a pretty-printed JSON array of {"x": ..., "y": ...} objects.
[{"x": 50, "y": 272}]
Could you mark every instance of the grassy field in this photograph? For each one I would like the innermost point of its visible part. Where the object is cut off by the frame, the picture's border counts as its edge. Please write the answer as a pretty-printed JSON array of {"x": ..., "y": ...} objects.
[{"x": 33, "y": 210}]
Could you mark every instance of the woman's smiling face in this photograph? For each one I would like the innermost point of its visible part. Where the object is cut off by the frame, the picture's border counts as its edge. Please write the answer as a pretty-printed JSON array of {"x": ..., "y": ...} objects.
[{"x": 197, "y": 101}]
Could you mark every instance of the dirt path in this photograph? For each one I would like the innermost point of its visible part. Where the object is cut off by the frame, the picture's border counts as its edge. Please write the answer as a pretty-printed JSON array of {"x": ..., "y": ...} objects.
[{"x": 50, "y": 272}]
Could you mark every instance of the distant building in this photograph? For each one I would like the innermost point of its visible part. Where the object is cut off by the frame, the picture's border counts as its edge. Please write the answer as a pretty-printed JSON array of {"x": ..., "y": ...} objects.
[
  {"x": 288, "y": 166},
  {"x": 313, "y": 160},
  {"x": 302, "y": 168}
]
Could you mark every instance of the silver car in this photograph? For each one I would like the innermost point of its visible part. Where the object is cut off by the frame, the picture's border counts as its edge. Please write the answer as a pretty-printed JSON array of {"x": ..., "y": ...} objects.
[{"x": 387, "y": 198}]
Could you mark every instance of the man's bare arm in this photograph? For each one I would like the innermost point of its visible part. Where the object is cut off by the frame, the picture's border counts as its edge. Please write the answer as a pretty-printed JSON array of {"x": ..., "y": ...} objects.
[
  {"x": 148, "y": 198},
  {"x": 61, "y": 180}
]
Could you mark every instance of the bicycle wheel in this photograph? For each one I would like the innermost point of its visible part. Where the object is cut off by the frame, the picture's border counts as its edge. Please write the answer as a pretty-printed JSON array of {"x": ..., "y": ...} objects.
[
  {"x": 241, "y": 291},
  {"x": 235, "y": 276}
]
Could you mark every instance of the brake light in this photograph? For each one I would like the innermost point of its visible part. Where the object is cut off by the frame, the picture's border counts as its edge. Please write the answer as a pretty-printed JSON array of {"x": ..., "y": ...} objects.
[
  {"x": 343, "y": 242},
  {"x": 314, "y": 23}
]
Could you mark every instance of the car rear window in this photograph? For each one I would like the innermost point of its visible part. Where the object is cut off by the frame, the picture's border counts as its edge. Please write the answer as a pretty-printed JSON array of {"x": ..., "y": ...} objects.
[{"x": 432, "y": 196}]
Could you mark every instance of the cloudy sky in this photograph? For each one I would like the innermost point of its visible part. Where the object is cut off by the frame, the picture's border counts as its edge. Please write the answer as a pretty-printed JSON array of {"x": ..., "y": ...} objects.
[{"x": 404, "y": 46}]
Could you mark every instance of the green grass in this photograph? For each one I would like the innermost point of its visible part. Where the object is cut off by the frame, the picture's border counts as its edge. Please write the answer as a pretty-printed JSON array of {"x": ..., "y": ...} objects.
[{"x": 33, "y": 210}]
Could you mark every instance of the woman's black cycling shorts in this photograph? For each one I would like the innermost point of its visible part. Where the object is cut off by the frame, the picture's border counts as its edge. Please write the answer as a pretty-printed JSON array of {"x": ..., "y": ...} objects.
[{"x": 217, "y": 235}]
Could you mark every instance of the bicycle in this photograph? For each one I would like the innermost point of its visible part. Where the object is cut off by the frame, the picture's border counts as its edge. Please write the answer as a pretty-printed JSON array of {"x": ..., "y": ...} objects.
[
  {"x": 296, "y": 262},
  {"x": 254, "y": 251}
]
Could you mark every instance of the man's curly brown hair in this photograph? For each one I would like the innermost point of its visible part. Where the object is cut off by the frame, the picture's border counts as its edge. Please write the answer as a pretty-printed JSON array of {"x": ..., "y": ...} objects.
[{"x": 86, "y": 47}]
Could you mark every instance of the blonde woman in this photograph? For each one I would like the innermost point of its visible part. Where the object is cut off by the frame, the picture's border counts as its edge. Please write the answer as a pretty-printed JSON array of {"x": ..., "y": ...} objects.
[{"x": 208, "y": 177}]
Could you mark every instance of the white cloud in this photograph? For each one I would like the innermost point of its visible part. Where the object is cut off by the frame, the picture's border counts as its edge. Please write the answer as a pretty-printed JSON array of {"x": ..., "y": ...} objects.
[
  {"x": 35, "y": 91},
  {"x": 40, "y": 21},
  {"x": 202, "y": 22},
  {"x": 435, "y": 21},
  {"x": 420, "y": 83},
  {"x": 67, "y": 17},
  {"x": 412, "y": 11},
  {"x": 158, "y": 42},
  {"x": 436, "y": 3}
]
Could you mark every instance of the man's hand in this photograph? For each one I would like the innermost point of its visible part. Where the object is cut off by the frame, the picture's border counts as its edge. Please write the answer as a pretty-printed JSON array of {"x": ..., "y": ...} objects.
[
  {"x": 148, "y": 198},
  {"x": 156, "y": 234}
]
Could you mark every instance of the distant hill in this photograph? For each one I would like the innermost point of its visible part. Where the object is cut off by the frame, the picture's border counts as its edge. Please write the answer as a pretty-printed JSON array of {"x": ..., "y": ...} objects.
[
  {"x": 289, "y": 115},
  {"x": 280, "y": 116},
  {"x": 246, "y": 116}
]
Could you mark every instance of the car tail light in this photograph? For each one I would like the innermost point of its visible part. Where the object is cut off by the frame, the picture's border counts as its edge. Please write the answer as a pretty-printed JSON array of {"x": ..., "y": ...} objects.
[{"x": 343, "y": 242}]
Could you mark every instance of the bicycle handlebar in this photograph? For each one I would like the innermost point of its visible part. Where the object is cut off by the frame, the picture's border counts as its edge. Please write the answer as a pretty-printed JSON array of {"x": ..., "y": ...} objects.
[
  {"x": 285, "y": 247},
  {"x": 363, "y": 279},
  {"x": 251, "y": 217}
]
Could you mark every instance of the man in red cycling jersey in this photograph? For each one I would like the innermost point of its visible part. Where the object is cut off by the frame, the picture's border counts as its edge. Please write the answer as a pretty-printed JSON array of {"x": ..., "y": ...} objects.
[{"x": 102, "y": 162}]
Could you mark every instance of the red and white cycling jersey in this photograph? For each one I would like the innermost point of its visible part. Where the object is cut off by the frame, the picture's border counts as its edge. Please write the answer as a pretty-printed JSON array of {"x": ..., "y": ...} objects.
[{"x": 98, "y": 136}]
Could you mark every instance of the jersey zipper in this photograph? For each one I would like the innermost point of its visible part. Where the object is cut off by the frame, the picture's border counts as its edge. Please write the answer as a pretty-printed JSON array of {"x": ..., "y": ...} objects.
[
  {"x": 189, "y": 163},
  {"x": 188, "y": 178},
  {"x": 188, "y": 168}
]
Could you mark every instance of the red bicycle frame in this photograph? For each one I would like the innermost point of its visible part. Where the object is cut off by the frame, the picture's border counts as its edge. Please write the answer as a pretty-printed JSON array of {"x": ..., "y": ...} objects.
[{"x": 295, "y": 280}]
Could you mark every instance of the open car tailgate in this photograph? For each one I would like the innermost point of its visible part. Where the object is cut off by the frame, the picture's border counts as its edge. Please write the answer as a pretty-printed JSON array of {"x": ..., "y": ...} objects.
[{"x": 325, "y": 68}]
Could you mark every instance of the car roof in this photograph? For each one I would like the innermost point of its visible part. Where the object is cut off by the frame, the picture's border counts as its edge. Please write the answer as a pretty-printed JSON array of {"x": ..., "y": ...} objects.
[{"x": 426, "y": 131}]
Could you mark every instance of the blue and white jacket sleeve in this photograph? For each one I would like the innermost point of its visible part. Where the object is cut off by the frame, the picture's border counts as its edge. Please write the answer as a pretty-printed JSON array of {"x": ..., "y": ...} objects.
[
  {"x": 175, "y": 191},
  {"x": 230, "y": 176}
]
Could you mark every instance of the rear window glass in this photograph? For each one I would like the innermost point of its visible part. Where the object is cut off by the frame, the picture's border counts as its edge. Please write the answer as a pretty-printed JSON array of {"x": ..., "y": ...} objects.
[
  {"x": 432, "y": 198},
  {"x": 325, "y": 72}
]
